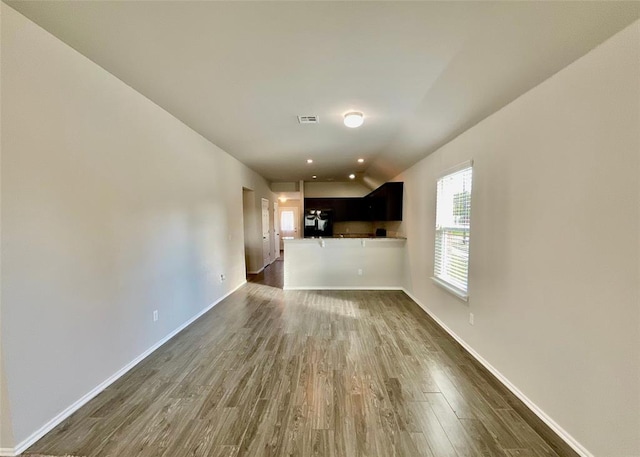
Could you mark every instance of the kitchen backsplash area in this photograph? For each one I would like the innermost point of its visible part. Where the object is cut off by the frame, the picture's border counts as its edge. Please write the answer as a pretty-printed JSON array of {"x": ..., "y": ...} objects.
[
  {"x": 365, "y": 228},
  {"x": 354, "y": 228}
]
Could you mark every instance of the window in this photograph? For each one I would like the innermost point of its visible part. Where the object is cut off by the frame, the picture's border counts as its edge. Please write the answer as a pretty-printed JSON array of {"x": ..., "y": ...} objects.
[
  {"x": 453, "y": 213},
  {"x": 287, "y": 223}
]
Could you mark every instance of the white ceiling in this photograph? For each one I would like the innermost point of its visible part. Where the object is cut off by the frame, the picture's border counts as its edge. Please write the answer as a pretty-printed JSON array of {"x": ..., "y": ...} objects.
[{"x": 240, "y": 72}]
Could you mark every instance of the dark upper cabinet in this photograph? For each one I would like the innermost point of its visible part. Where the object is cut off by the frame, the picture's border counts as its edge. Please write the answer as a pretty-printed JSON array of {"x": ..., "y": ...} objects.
[
  {"x": 383, "y": 204},
  {"x": 344, "y": 209},
  {"x": 354, "y": 209},
  {"x": 374, "y": 207},
  {"x": 324, "y": 204}
]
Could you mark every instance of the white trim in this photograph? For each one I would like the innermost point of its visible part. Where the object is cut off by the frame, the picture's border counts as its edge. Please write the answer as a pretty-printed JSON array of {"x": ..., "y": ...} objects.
[
  {"x": 563, "y": 434},
  {"x": 255, "y": 272},
  {"x": 450, "y": 288},
  {"x": 455, "y": 168},
  {"x": 342, "y": 288},
  {"x": 46, "y": 428}
]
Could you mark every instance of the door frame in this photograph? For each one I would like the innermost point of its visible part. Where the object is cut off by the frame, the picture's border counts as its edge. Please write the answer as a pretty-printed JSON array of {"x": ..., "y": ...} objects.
[
  {"x": 267, "y": 258},
  {"x": 276, "y": 231}
]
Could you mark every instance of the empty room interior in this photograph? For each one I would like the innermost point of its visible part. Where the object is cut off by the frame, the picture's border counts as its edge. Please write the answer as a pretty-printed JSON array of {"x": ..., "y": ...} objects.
[{"x": 317, "y": 228}]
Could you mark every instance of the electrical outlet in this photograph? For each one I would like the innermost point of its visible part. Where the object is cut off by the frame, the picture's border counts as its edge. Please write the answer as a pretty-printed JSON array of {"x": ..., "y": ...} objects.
[
  {"x": 359, "y": 271},
  {"x": 155, "y": 315},
  {"x": 222, "y": 278},
  {"x": 471, "y": 318}
]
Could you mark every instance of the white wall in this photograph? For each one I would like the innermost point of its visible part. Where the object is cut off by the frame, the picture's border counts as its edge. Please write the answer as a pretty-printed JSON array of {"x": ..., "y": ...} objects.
[
  {"x": 313, "y": 189},
  {"x": 293, "y": 203},
  {"x": 285, "y": 187},
  {"x": 6, "y": 429},
  {"x": 555, "y": 248},
  {"x": 111, "y": 208},
  {"x": 6, "y": 432}
]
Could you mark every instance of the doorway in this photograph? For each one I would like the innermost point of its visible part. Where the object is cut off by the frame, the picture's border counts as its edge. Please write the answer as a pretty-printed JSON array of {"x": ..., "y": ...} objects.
[
  {"x": 248, "y": 224},
  {"x": 288, "y": 220},
  {"x": 266, "y": 229}
]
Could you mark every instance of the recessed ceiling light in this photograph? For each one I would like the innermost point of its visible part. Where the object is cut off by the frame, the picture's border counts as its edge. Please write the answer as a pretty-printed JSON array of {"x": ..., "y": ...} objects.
[
  {"x": 353, "y": 119},
  {"x": 352, "y": 176},
  {"x": 360, "y": 160},
  {"x": 309, "y": 160},
  {"x": 314, "y": 176}
]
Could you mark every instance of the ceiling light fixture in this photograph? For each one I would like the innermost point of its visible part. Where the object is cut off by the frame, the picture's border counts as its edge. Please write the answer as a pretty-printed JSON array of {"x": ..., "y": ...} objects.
[
  {"x": 352, "y": 176},
  {"x": 314, "y": 176},
  {"x": 309, "y": 160},
  {"x": 283, "y": 199},
  {"x": 353, "y": 119},
  {"x": 360, "y": 160}
]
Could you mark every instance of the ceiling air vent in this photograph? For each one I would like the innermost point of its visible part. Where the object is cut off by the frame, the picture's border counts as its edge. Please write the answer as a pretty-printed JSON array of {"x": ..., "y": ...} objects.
[{"x": 308, "y": 119}]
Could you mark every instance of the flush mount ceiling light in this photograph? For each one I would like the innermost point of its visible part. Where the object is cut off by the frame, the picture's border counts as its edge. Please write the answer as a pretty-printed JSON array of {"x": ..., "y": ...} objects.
[
  {"x": 353, "y": 119},
  {"x": 352, "y": 176},
  {"x": 360, "y": 160},
  {"x": 314, "y": 176},
  {"x": 309, "y": 160}
]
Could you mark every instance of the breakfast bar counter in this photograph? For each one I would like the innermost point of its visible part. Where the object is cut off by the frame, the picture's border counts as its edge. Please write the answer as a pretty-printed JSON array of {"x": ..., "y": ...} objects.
[{"x": 344, "y": 263}]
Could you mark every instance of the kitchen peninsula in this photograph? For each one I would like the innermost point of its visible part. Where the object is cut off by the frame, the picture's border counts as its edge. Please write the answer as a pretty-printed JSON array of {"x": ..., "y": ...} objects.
[{"x": 344, "y": 263}]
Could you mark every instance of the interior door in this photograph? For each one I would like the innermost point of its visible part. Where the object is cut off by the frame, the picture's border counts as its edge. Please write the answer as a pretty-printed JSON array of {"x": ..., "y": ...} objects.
[
  {"x": 276, "y": 232},
  {"x": 289, "y": 223},
  {"x": 266, "y": 243}
]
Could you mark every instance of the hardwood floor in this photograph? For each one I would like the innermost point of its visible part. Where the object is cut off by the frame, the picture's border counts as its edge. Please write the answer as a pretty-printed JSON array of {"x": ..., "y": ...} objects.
[
  {"x": 269, "y": 372},
  {"x": 272, "y": 275}
]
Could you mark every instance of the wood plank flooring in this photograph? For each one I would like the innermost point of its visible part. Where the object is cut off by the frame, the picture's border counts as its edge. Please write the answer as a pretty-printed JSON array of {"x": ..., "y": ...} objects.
[
  {"x": 269, "y": 372},
  {"x": 272, "y": 275}
]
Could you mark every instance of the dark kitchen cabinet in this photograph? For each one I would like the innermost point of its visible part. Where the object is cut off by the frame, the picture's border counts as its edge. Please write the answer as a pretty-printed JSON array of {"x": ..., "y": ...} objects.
[
  {"x": 323, "y": 204},
  {"x": 383, "y": 204},
  {"x": 344, "y": 209},
  {"x": 354, "y": 209}
]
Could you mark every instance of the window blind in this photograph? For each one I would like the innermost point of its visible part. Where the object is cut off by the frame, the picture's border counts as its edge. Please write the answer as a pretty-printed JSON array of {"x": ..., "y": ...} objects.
[{"x": 453, "y": 217}]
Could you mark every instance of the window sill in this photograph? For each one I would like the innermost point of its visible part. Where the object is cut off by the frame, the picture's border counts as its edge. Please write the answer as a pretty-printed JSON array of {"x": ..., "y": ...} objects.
[{"x": 451, "y": 289}]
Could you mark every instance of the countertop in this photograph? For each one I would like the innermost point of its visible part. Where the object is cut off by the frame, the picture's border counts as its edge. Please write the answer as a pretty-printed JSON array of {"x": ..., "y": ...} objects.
[
  {"x": 337, "y": 237},
  {"x": 369, "y": 237}
]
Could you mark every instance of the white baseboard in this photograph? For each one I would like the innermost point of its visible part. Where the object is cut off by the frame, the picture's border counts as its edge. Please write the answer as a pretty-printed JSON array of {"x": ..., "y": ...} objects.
[
  {"x": 342, "y": 288},
  {"x": 46, "y": 428},
  {"x": 255, "y": 272},
  {"x": 563, "y": 434}
]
